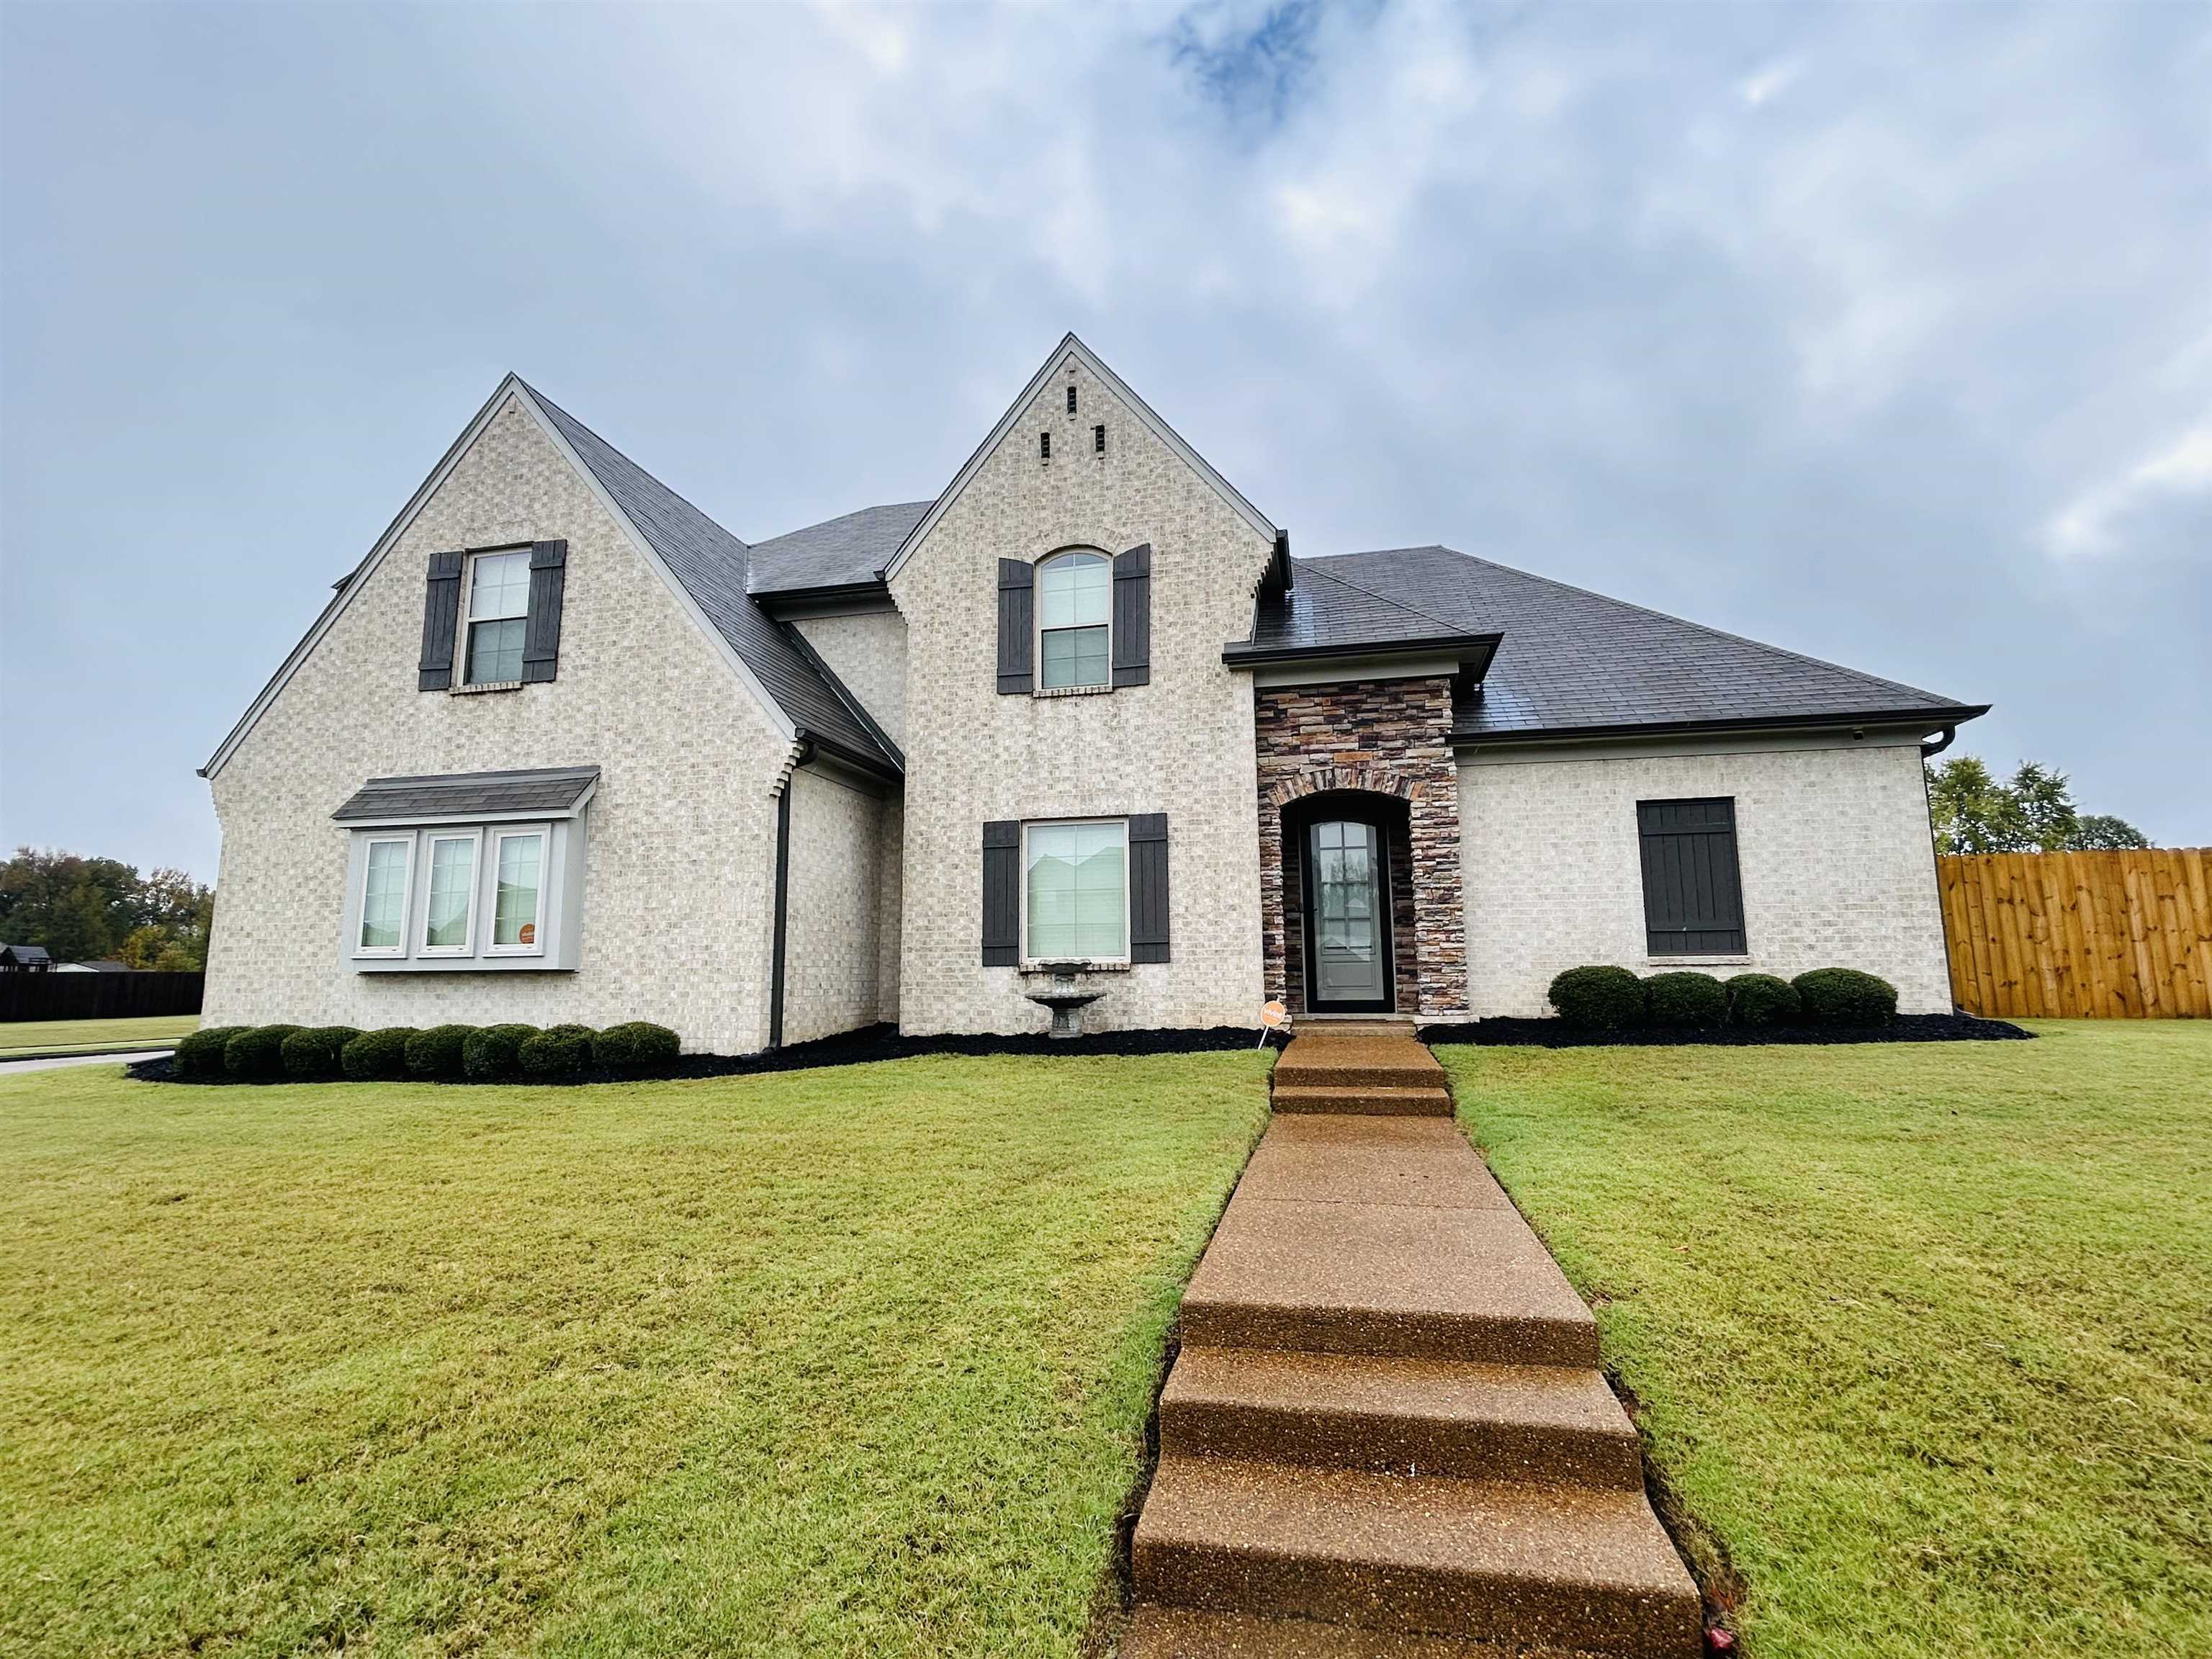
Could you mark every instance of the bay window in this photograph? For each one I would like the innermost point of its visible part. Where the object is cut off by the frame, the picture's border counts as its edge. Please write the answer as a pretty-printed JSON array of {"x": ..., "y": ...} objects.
[
  {"x": 519, "y": 893},
  {"x": 388, "y": 863}
]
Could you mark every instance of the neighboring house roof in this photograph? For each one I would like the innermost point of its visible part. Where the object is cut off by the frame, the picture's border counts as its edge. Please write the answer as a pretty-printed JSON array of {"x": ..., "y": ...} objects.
[
  {"x": 538, "y": 792},
  {"x": 712, "y": 565},
  {"x": 849, "y": 550},
  {"x": 24, "y": 953},
  {"x": 1568, "y": 659},
  {"x": 105, "y": 965}
]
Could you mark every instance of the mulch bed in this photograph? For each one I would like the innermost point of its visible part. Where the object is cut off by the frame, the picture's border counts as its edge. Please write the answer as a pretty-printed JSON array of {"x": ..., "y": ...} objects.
[
  {"x": 1557, "y": 1034},
  {"x": 858, "y": 1048}
]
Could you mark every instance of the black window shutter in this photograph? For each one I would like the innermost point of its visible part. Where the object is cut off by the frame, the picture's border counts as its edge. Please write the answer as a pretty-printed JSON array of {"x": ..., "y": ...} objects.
[
  {"x": 1693, "y": 891},
  {"x": 1017, "y": 626},
  {"x": 1133, "y": 617},
  {"x": 1148, "y": 887},
  {"x": 541, "y": 634},
  {"x": 441, "y": 615},
  {"x": 1002, "y": 893}
]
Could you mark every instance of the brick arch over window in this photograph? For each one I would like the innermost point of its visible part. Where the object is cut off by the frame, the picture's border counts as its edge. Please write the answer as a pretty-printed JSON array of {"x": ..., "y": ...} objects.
[
  {"x": 1376, "y": 736},
  {"x": 1341, "y": 780}
]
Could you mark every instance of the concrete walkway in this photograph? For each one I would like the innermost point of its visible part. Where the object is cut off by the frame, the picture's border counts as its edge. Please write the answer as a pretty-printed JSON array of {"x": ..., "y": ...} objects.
[
  {"x": 1386, "y": 1434},
  {"x": 47, "y": 1062}
]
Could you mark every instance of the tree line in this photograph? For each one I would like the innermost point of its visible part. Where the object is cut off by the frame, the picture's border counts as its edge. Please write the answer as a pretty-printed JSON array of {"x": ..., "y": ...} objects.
[
  {"x": 1973, "y": 810},
  {"x": 84, "y": 909}
]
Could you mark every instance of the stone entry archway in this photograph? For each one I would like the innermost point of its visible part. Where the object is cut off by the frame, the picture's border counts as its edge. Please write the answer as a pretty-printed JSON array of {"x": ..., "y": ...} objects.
[{"x": 1372, "y": 738}]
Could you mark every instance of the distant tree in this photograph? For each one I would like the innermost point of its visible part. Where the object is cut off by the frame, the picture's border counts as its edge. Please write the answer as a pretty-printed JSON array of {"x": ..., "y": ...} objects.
[
  {"x": 1971, "y": 811},
  {"x": 84, "y": 909},
  {"x": 2097, "y": 832}
]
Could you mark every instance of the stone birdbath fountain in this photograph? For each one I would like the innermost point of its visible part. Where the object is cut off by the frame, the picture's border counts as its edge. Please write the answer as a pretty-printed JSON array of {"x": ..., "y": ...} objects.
[{"x": 1063, "y": 992}]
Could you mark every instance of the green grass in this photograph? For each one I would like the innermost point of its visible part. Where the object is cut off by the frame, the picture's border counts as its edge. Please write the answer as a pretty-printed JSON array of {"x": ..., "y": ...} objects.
[
  {"x": 1922, "y": 1336},
  {"x": 852, "y": 1361},
  {"x": 26, "y": 1039}
]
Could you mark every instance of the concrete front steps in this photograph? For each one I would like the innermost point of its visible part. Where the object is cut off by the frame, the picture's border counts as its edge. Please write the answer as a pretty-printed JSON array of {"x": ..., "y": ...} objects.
[{"x": 1385, "y": 1433}]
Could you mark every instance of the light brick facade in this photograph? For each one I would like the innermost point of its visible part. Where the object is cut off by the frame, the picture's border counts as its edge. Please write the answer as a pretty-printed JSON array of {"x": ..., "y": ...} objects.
[
  {"x": 680, "y": 870},
  {"x": 1181, "y": 745},
  {"x": 1837, "y": 862},
  {"x": 867, "y": 651},
  {"x": 832, "y": 967},
  {"x": 1506, "y": 866}
]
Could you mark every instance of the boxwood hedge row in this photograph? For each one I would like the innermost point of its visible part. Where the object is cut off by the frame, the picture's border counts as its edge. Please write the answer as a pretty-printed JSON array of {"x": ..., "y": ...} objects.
[{"x": 475, "y": 1053}]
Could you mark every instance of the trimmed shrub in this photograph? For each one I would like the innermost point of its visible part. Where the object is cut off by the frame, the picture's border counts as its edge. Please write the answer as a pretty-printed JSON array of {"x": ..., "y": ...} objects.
[
  {"x": 378, "y": 1056},
  {"x": 488, "y": 1053},
  {"x": 634, "y": 1046},
  {"x": 257, "y": 1052},
  {"x": 1684, "y": 999},
  {"x": 437, "y": 1052},
  {"x": 1844, "y": 996},
  {"x": 200, "y": 1055},
  {"x": 1599, "y": 999},
  {"x": 1763, "y": 999},
  {"x": 313, "y": 1053},
  {"x": 557, "y": 1051}
]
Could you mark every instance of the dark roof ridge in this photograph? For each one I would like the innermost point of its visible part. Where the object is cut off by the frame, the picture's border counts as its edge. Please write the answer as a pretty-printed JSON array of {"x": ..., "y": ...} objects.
[{"x": 1663, "y": 615}]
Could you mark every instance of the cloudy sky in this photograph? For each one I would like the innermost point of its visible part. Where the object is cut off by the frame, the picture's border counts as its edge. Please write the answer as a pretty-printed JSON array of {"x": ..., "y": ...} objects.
[{"x": 1882, "y": 333}]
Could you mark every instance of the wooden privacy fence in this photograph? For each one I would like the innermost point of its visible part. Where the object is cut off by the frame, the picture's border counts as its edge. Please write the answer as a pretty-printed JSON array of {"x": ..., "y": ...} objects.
[
  {"x": 2080, "y": 935},
  {"x": 98, "y": 996}
]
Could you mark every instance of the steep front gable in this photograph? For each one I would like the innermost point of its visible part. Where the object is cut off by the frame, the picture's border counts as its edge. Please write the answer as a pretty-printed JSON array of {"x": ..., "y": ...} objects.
[
  {"x": 1167, "y": 733},
  {"x": 701, "y": 565}
]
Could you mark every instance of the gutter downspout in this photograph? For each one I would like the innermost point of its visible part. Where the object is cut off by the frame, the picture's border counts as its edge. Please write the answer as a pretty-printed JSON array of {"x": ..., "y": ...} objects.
[
  {"x": 805, "y": 753},
  {"x": 1929, "y": 751}
]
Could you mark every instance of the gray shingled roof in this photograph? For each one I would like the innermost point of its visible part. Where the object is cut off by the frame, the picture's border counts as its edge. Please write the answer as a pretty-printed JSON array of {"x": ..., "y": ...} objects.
[
  {"x": 837, "y": 552},
  {"x": 712, "y": 565},
  {"x": 551, "y": 790},
  {"x": 1570, "y": 660}
]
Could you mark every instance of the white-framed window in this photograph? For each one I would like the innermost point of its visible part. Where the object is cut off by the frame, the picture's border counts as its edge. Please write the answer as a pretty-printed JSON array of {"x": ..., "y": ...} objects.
[
  {"x": 1075, "y": 891},
  {"x": 387, "y": 865},
  {"x": 1074, "y": 608},
  {"x": 495, "y": 613},
  {"x": 518, "y": 905},
  {"x": 449, "y": 911}
]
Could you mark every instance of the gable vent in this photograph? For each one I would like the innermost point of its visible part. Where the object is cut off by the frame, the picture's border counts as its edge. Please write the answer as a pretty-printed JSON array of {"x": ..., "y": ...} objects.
[
  {"x": 1070, "y": 400},
  {"x": 1044, "y": 446},
  {"x": 1099, "y": 438}
]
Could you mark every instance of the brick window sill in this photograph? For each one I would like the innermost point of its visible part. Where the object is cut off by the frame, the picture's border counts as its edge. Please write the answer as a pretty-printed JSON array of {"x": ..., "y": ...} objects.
[
  {"x": 478, "y": 690},
  {"x": 1697, "y": 962},
  {"x": 1073, "y": 691}
]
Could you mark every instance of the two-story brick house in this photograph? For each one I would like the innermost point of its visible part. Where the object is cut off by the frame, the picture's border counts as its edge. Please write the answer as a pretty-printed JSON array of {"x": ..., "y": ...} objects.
[{"x": 562, "y": 748}]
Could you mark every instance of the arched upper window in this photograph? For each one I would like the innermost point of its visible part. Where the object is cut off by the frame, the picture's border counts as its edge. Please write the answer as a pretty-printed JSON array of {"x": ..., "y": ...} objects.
[{"x": 1075, "y": 601}]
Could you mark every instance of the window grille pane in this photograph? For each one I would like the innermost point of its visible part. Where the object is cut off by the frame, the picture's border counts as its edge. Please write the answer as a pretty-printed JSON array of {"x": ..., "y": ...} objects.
[
  {"x": 1074, "y": 656},
  {"x": 514, "y": 911},
  {"x": 453, "y": 868},
  {"x": 499, "y": 586},
  {"x": 383, "y": 896},
  {"x": 1078, "y": 901},
  {"x": 495, "y": 651},
  {"x": 1075, "y": 591}
]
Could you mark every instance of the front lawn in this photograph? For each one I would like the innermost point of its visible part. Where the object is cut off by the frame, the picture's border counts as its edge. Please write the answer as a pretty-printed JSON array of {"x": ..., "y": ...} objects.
[
  {"x": 27, "y": 1038},
  {"x": 850, "y": 1361},
  {"x": 1922, "y": 1335}
]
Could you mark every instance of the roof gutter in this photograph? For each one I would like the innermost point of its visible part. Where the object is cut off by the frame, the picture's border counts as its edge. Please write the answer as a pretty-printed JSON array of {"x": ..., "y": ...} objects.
[
  {"x": 1479, "y": 647},
  {"x": 1949, "y": 718}
]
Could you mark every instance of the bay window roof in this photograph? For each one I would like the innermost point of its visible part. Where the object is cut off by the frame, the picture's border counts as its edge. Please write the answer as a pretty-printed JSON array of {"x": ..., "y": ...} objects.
[{"x": 550, "y": 791}]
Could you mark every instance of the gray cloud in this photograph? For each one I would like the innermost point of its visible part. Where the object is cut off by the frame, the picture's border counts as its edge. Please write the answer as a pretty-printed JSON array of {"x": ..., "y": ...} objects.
[{"x": 1878, "y": 333}]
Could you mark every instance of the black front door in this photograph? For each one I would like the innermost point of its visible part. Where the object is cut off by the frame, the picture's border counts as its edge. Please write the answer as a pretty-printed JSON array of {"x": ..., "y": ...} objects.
[{"x": 1347, "y": 918}]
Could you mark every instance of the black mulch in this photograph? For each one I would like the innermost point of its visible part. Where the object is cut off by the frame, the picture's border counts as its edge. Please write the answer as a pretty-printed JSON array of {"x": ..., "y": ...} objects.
[
  {"x": 1557, "y": 1034},
  {"x": 851, "y": 1048}
]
